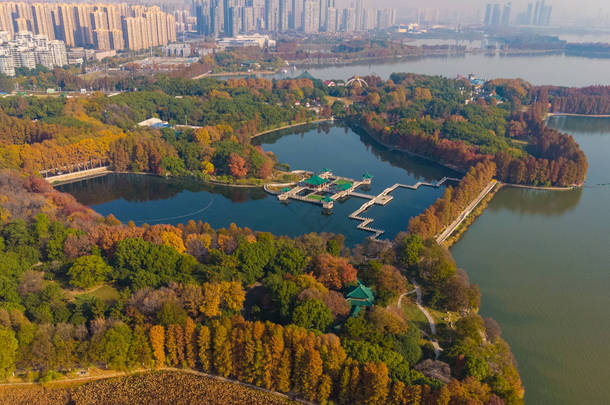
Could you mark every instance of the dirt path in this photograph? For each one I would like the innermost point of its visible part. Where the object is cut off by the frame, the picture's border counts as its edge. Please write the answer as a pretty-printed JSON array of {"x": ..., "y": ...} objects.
[{"x": 431, "y": 322}]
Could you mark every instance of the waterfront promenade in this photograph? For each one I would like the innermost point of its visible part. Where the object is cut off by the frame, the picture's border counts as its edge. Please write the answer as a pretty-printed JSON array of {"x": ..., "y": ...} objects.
[{"x": 453, "y": 226}]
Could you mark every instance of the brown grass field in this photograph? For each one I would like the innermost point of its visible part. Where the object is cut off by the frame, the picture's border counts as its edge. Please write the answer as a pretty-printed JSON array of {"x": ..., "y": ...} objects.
[{"x": 162, "y": 387}]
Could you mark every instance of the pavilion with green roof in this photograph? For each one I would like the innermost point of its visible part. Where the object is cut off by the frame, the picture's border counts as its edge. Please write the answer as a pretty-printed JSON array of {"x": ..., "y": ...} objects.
[
  {"x": 367, "y": 176},
  {"x": 359, "y": 296},
  {"x": 315, "y": 181}
]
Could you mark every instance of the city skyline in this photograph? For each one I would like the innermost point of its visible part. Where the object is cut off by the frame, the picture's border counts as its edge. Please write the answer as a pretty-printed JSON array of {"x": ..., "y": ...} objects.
[{"x": 231, "y": 17}]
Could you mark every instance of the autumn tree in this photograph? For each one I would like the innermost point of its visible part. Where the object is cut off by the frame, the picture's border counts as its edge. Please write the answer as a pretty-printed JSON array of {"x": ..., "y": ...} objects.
[
  {"x": 157, "y": 341},
  {"x": 334, "y": 272},
  {"x": 237, "y": 166},
  {"x": 204, "y": 347}
]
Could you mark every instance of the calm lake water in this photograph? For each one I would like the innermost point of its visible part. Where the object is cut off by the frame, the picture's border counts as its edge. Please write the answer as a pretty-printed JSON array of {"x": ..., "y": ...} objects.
[
  {"x": 552, "y": 69},
  {"x": 542, "y": 260},
  {"x": 155, "y": 200}
]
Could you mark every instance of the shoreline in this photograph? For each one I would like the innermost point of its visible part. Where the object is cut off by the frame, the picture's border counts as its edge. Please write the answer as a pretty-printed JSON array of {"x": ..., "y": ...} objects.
[
  {"x": 270, "y": 131},
  {"x": 455, "y": 236},
  {"x": 560, "y": 114}
]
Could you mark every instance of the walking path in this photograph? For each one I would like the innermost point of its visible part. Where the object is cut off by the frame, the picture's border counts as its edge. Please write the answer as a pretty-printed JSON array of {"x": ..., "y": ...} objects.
[
  {"x": 453, "y": 226},
  {"x": 382, "y": 199},
  {"x": 418, "y": 302}
]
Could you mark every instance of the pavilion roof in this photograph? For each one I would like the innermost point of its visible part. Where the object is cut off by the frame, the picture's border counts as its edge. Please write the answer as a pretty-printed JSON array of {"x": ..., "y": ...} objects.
[
  {"x": 315, "y": 180},
  {"x": 360, "y": 295}
]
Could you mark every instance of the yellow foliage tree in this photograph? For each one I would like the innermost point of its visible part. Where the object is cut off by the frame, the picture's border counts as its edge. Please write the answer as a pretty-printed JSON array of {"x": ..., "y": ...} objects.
[
  {"x": 171, "y": 239},
  {"x": 157, "y": 341}
]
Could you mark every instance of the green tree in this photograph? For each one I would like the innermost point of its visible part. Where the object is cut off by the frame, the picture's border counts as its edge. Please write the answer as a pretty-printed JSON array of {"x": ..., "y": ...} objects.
[
  {"x": 312, "y": 314},
  {"x": 88, "y": 271},
  {"x": 410, "y": 250},
  {"x": 117, "y": 341},
  {"x": 8, "y": 351}
]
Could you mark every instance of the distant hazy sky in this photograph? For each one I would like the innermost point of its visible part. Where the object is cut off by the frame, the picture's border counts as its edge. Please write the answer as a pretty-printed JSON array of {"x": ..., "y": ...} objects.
[{"x": 562, "y": 7}]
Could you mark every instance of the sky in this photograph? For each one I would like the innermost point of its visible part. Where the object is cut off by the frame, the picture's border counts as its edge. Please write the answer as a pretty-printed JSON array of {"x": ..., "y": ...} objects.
[{"x": 563, "y": 8}]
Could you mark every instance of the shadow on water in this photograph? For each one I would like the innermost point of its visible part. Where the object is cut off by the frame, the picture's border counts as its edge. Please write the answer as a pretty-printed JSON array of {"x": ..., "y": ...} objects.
[
  {"x": 546, "y": 203},
  {"x": 140, "y": 188}
]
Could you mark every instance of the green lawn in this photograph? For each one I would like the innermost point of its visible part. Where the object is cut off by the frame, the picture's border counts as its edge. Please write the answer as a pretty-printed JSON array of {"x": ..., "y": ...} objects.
[
  {"x": 105, "y": 293},
  {"x": 315, "y": 197}
]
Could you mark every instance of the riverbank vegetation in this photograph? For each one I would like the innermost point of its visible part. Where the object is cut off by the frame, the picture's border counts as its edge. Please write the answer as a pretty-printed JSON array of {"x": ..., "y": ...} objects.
[{"x": 594, "y": 100}]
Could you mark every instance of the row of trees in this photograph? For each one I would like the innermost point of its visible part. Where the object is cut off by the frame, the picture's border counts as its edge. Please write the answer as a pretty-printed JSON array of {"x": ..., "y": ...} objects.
[
  {"x": 454, "y": 200},
  {"x": 587, "y": 100}
]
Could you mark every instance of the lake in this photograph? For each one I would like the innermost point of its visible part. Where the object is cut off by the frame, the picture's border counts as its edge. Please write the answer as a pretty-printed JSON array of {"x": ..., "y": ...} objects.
[
  {"x": 542, "y": 261},
  {"x": 151, "y": 199},
  {"x": 551, "y": 69}
]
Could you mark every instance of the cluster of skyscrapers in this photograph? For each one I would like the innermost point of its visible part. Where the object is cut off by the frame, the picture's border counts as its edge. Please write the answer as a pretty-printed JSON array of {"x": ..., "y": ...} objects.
[
  {"x": 537, "y": 14},
  {"x": 28, "y": 50},
  {"x": 105, "y": 27},
  {"x": 231, "y": 17}
]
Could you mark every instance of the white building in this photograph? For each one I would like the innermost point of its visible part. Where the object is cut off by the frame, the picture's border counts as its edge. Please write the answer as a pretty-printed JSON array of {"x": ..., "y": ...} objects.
[
  {"x": 7, "y": 66},
  {"x": 28, "y": 51}
]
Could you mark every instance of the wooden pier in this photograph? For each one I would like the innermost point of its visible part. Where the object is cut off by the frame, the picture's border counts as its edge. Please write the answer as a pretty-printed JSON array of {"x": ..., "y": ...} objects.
[
  {"x": 327, "y": 183},
  {"x": 382, "y": 199}
]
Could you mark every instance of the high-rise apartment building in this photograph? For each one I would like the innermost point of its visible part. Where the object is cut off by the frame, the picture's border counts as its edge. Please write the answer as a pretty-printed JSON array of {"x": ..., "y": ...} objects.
[
  {"x": 90, "y": 25},
  {"x": 232, "y": 17}
]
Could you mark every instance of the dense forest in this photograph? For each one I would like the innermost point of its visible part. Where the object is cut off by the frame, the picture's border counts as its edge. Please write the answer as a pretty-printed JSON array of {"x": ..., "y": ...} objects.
[
  {"x": 594, "y": 100},
  {"x": 241, "y": 304},
  {"x": 440, "y": 119},
  {"x": 49, "y": 133}
]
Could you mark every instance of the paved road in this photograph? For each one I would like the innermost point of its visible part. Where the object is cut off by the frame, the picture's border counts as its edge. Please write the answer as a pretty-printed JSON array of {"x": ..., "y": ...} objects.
[{"x": 453, "y": 226}]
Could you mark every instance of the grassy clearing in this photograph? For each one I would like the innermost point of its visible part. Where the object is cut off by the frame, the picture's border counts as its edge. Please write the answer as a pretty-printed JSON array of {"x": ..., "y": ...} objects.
[
  {"x": 105, "y": 292},
  {"x": 344, "y": 100},
  {"x": 315, "y": 197}
]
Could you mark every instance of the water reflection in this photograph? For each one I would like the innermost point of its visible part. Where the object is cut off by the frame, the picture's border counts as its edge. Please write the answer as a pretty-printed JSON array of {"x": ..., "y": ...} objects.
[
  {"x": 140, "y": 188},
  {"x": 540, "y": 202},
  {"x": 582, "y": 125}
]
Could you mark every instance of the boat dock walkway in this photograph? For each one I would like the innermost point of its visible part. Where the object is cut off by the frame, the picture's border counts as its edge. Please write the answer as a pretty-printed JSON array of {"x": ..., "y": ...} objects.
[
  {"x": 327, "y": 188},
  {"x": 382, "y": 199}
]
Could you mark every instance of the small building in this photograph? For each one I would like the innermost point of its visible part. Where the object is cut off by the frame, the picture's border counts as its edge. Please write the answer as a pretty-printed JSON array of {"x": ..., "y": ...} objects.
[
  {"x": 359, "y": 296},
  {"x": 315, "y": 181},
  {"x": 153, "y": 123}
]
